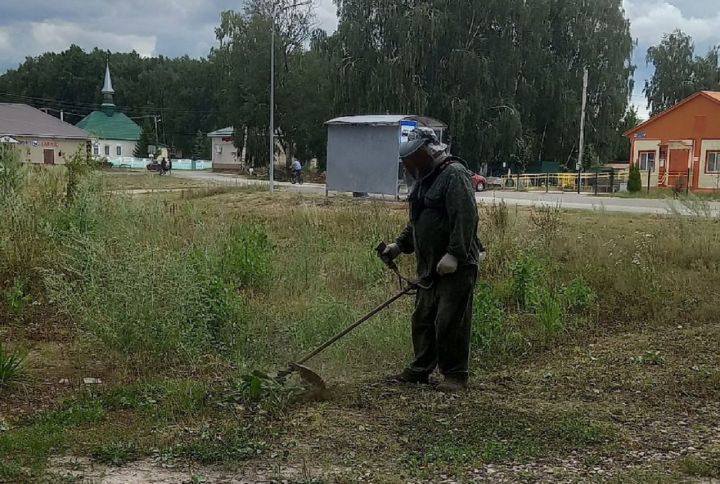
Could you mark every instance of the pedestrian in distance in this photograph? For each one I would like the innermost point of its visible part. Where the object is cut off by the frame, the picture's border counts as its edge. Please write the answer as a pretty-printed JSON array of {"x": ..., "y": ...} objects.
[
  {"x": 297, "y": 171},
  {"x": 442, "y": 233}
]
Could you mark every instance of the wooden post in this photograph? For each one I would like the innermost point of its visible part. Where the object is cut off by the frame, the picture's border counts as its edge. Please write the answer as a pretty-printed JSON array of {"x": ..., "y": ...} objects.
[
  {"x": 649, "y": 175},
  {"x": 612, "y": 181}
]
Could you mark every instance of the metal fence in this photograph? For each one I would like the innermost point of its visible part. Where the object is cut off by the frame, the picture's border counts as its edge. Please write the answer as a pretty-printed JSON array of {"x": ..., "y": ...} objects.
[
  {"x": 141, "y": 163},
  {"x": 600, "y": 182}
]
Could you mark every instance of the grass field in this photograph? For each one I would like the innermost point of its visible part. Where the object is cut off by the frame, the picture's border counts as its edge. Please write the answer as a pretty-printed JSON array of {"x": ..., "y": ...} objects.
[{"x": 595, "y": 342}]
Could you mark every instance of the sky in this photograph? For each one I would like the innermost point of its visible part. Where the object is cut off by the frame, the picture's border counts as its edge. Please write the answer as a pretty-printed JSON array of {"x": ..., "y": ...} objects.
[{"x": 179, "y": 27}]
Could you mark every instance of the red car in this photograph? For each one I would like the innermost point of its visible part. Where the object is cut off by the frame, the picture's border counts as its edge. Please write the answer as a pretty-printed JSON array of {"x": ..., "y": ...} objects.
[{"x": 479, "y": 182}]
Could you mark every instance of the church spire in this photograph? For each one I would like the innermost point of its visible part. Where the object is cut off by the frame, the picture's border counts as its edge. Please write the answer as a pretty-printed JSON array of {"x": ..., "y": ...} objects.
[{"x": 108, "y": 105}]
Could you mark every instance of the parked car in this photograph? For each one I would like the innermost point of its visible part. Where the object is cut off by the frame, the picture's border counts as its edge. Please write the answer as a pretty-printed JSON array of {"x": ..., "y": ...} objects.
[
  {"x": 479, "y": 182},
  {"x": 494, "y": 181}
]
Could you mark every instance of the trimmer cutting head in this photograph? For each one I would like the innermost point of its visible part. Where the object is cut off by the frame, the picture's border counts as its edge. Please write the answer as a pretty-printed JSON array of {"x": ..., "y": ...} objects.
[{"x": 308, "y": 376}]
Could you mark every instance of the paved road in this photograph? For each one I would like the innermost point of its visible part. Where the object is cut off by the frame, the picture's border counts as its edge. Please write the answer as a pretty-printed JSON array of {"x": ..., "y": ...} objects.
[{"x": 563, "y": 200}]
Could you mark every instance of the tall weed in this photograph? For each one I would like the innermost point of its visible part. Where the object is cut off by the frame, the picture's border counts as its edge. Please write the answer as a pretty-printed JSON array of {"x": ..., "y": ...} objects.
[
  {"x": 488, "y": 318},
  {"x": 11, "y": 366},
  {"x": 527, "y": 277},
  {"x": 154, "y": 286}
]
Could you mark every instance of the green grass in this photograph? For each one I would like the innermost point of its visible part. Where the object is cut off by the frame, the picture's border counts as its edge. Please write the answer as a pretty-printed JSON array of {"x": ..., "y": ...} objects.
[
  {"x": 116, "y": 453},
  {"x": 176, "y": 299},
  {"x": 213, "y": 445},
  {"x": 700, "y": 468},
  {"x": 25, "y": 448},
  {"x": 495, "y": 435}
]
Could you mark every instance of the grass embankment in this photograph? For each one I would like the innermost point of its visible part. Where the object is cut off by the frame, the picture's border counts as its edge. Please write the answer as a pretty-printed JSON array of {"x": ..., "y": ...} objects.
[{"x": 594, "y": 341}]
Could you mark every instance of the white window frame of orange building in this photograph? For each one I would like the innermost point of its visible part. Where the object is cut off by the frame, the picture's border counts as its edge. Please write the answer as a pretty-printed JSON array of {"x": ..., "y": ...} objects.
[
  {"x": 715, "y": 171},
  {"x": 640, "y": 160}
]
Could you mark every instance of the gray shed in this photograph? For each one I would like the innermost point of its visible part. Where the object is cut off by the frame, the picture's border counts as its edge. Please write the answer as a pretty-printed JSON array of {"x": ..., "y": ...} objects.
[{"x": 362, "y": 152}]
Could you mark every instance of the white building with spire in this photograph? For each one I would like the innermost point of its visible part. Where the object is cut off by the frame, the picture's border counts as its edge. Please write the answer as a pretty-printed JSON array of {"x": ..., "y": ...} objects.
[{"x": 114, "y": 135}]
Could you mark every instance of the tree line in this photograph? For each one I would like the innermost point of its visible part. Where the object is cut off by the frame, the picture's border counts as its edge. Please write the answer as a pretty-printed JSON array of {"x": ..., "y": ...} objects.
[
  {"x": 679, "y": 72},
  {"x": 505, "y": 75}
]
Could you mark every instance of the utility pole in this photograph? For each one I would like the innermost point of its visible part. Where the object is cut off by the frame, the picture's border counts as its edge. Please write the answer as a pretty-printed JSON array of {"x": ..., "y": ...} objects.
[
  {"x": 157, "y": 138},
  {"x": 582, "y": 129},
  {"x": 274, "y": 11},
  {"x": 272, "y": 98}
]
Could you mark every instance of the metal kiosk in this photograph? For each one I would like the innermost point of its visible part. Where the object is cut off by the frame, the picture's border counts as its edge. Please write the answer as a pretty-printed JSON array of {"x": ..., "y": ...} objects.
[{"x": 362, "y": 151}]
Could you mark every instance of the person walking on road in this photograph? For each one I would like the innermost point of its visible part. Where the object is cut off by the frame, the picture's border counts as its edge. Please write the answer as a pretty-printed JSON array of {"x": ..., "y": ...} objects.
[{"x": 442, "y": 233}]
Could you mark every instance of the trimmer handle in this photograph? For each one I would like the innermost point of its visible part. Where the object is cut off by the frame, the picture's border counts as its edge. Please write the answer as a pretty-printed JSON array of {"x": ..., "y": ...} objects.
[{"x": 387, "y": 260}]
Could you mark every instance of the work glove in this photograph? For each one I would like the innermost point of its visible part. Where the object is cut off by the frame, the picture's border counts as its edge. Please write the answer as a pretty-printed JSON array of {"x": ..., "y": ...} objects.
[
  {"x": 392, "y": 251},
  {"x": 447, "y": 265}
]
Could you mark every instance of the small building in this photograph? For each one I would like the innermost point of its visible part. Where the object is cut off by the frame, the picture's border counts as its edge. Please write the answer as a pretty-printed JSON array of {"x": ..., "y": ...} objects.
[
  {"x": 114, "y": 134},
  {"x": 39, "y": 137},
  {"x": 224, "y": 153},
  {"x": 680, "y": 147},
  {"x": 363, "y": 151}
]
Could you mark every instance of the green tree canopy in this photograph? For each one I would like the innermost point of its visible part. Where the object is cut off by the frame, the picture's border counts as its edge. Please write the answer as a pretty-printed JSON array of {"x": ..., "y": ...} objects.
[{"x": 678, "y": 72}]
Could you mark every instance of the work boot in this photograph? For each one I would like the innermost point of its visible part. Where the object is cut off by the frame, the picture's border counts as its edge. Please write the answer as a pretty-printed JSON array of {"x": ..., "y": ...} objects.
[
  {"x": 452, "y": 384},
  {"x": 410, "y": 377}
]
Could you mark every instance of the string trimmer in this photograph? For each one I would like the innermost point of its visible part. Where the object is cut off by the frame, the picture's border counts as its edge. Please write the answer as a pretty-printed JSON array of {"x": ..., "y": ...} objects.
[{"x": 310, "y": 376}]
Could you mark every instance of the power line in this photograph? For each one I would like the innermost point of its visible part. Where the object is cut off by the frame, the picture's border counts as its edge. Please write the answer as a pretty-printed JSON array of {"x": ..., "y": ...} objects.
[{"x": 96, "y": 107}]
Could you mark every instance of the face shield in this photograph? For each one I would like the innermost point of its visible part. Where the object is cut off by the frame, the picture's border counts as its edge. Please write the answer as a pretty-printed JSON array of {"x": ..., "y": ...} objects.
[
  {"x": 422, "y": 153},
  {"x": 416, "y": 159}
]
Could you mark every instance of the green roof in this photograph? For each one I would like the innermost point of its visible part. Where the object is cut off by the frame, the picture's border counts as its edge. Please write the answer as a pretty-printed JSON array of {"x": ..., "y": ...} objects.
[{"x": 115, "y": 126}]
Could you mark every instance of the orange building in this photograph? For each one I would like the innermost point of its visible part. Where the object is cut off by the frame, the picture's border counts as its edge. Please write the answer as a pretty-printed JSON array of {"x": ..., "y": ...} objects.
[{"x": 681, "y": 145}]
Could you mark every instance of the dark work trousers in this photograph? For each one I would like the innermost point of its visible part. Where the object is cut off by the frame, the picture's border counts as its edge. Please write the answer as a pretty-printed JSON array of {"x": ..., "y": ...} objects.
[{"x": 442, "y": 324}]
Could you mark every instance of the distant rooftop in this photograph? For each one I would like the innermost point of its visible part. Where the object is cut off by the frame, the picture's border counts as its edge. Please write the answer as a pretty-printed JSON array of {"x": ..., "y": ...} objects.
[
  {"x": 108, "y": 123},
  {"x": 116, "y": 126},
  {"x": 23, "y": 120},
  {"x": 386, "y": 120},
  {"x": 222, "y": 133}
]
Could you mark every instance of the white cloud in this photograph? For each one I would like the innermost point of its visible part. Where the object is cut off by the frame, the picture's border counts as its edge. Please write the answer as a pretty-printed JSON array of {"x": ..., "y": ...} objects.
[
  {"x": 650, "y": 19},
  {"x": 5, "y": 44},
  {"x": 326, "y": 15},
  {"x": 56, "y": 35}
]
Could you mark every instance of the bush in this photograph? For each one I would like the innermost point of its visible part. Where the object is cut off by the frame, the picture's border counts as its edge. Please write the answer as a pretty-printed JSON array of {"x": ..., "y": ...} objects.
[{"x": 634, "y": 181}]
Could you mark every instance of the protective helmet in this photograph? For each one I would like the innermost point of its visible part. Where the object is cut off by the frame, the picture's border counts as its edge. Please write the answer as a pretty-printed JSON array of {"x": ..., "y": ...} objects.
[
  {"x": 419, "y": 137},
  {"x": 422, "y": 152}
]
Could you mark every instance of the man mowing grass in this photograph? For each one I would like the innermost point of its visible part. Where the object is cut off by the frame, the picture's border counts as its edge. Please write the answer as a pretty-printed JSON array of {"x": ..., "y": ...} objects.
[{"x": 442, "y": 233}]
